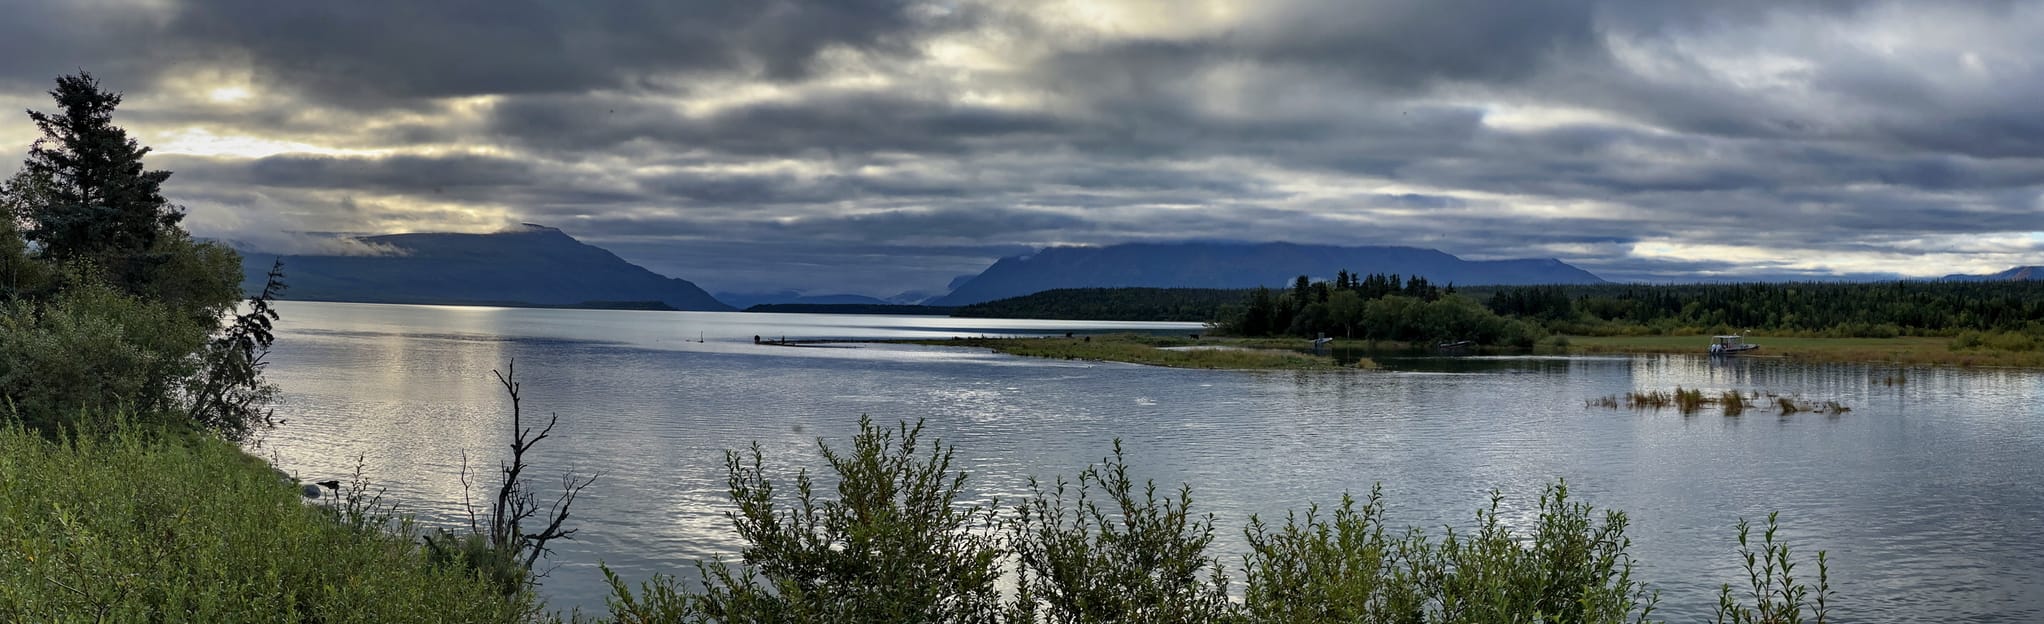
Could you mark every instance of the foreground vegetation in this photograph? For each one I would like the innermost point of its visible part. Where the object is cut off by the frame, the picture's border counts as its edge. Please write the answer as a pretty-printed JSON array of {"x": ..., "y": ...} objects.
[
  {"x": 130, "y": 365},
  {"x": 141, "y": 525},
  {"x": 899, "y": 543},
  {"x": 1153, "y": 350}
]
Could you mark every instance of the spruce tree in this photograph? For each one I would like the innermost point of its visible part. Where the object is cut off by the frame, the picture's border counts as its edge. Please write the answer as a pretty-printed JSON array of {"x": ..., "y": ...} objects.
[{"x": 93, "y": 198}]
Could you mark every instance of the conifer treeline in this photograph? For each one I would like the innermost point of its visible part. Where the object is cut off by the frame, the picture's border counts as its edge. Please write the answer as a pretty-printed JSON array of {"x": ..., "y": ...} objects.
[
  {"x": 1375, "y": 307},
  {"x": 1384, "y": 307},
  {"x": 1871, "y": 310}
]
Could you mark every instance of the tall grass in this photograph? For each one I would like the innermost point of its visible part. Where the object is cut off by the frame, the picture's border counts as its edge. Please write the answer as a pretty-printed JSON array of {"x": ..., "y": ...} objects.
[
  {"x": 1733, "y": 402},
  {"x": 139, "y": 527}
]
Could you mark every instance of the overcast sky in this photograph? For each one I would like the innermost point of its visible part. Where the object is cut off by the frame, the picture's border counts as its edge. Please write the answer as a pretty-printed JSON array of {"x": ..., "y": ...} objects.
[{"x": 875, "y": 146}]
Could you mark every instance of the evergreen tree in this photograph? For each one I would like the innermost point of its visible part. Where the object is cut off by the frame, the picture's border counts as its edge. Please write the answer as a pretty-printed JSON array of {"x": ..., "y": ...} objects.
[
  {"x": 83, "y": 191},
  {"x": 106, "y": 304}
]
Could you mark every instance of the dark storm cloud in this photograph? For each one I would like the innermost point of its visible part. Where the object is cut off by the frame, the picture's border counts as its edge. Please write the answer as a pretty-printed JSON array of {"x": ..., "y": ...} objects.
[
  {"x": 1396, "y": 44},
  {"x": 810, "y": 139},
  {"x": 980, "y": 226},
  {"x": 39, "y": 40},
  {"x": 405, "y": 49},
  {"x": 855, "y": 124},
  {"x": 389, "y": 174}
]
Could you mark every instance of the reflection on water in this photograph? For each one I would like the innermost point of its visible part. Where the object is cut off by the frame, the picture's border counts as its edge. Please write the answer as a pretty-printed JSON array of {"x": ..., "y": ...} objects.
[{"x": 1927, "y": 494}]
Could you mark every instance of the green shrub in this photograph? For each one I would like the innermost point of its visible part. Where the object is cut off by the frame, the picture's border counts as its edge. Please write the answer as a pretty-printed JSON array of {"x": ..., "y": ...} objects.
[
  {"x": 90, "y": 350},
  {"x": 1343, "y": 569},
  {"x": 895, "y": 545},
  {"x": 1571, "y": 568},
  {"x": 1106, "y": 548},
  {"x": 115, "y": 305},
  {"x": 1777, "y": 596},
  {"x": 1140, "y": 558}
]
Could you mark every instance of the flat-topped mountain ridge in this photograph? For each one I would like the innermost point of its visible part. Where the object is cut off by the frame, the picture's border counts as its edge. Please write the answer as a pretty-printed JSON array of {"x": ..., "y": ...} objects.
[{"x": 531, "y": 265}]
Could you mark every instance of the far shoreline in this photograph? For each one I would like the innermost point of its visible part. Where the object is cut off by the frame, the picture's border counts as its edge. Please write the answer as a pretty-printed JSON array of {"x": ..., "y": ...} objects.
[
  {"x": 1902, "y": 350},
  {"x": 1293, "y": 354},
  {"x": 1167, "y": 351}
]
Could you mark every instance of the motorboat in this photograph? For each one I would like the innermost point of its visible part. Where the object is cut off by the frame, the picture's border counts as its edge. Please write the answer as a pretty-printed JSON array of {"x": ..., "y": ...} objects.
[{"x": 1730, "y": 345}]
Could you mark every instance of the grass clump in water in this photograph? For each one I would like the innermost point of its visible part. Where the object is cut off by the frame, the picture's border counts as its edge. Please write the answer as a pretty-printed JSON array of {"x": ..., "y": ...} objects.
[
  {"x": 1692, "y": 400},
  {"x": 1733, "y": 402}
]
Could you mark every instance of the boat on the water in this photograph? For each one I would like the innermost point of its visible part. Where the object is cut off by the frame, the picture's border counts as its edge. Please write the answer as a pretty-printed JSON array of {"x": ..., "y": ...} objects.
[{"x": 1730, "y": 345}]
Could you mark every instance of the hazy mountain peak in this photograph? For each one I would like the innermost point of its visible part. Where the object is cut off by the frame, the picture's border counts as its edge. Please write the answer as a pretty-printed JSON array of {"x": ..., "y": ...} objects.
[{"x": 2017, "y": 274}]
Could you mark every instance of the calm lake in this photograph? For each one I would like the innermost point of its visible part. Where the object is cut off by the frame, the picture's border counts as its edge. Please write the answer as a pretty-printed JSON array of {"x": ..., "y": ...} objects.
[{"x": 1929, "y": 495}]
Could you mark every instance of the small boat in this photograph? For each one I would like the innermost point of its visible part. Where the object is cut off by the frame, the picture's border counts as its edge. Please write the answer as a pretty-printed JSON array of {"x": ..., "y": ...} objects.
[
  {"x": 1455, "y": 347},
  {"x": 1730, "y": 345}
]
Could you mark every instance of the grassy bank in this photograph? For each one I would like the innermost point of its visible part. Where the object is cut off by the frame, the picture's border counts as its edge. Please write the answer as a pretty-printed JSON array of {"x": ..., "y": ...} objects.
[
  {"x": 1171, "y": 351},
  {"x": 1899, "y": 350},
  {"x": 143, "y": 528}
]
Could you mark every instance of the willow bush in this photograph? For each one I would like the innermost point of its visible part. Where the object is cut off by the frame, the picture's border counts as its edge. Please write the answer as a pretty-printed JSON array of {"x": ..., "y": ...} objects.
[
  {"x": 898, "y": 545},
  {"x": 895, "y": 544},
  {"x": 1105, "y": 549}
]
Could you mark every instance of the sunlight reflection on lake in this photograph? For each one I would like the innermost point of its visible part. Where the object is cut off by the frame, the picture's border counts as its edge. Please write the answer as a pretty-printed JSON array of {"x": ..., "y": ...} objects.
[{"x": 1928, "y": 494}]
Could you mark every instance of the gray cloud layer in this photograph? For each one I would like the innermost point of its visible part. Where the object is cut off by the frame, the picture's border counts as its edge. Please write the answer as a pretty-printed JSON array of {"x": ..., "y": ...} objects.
[{"x": 880, "y": 146}]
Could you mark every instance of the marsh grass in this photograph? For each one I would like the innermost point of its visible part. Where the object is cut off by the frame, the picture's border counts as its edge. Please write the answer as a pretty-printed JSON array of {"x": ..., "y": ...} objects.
[
  {"x": 1734, "y": 403},
  {"x": 143, "y": 526},
  {"x": 1692, "y": 401},
  {"x": 1686, "y": 401}
]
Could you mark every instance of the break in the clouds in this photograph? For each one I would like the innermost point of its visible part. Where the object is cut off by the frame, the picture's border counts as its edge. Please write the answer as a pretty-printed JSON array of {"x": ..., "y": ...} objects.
[{"x": 881, "y": 145}]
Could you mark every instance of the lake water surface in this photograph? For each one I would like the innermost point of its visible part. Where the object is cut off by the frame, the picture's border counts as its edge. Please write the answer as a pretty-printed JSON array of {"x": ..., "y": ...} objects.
[{"x": 1929, "y": 495}]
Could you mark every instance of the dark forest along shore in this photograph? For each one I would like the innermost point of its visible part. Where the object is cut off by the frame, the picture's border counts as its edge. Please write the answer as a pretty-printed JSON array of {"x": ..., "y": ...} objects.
[{"x": 1926, "y": 493}]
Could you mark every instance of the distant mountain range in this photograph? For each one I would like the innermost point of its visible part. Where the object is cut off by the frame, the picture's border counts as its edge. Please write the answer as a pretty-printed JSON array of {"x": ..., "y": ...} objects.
[
  {"x": 529, "y": 266},
  {"x": 2018, "y": 274},
  {"x": 1238, "y": 265},
  {"x": 787, "y": 297},
  {"x": 541, "y": 266}
]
